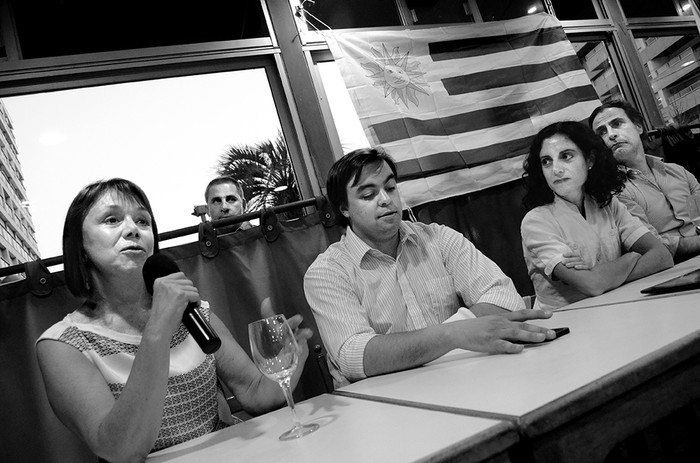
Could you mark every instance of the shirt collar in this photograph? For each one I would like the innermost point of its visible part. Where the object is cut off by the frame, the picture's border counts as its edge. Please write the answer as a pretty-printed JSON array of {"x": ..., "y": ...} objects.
[
  {"x": 355, "y": 246},
  {"x": 562, "y": 203},
  {"x": 358, "y": 249},
  {"x": 654, "y": 163},
  {"x": 407, "y": 233}
]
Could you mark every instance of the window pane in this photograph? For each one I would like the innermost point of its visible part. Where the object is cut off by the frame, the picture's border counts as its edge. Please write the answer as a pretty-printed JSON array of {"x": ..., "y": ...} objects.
[
  {"x": 17, "y": 237},
  {"x": 85, "y": 26},
  {"x": 673, "y": 72},
  {"x": 345, "y": 14},
  {"x": 596, "y": 61},
  {"x": 568, "y": 10},
  {"x": 496, "y": 10},
  {"x": 648, "y": 8},
  {"x": 347, "y": 124},
  {"x": 166, "y": 135},
  {"x": 440, "y": 11}
]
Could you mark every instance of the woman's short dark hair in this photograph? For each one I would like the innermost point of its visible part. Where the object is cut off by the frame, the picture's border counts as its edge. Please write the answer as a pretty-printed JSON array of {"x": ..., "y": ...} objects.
[
  {"x": 348, "y": 168},
  {"x": 604, "y": 178},
  {"x": 75, "y": 262}
]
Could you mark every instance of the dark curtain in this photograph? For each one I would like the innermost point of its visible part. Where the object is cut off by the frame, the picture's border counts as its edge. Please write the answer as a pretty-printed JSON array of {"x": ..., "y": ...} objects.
[
  {"x": 247, "y": 269},
  {"x": 29, "y": 429},
  {"x": 491, "y": 220}
]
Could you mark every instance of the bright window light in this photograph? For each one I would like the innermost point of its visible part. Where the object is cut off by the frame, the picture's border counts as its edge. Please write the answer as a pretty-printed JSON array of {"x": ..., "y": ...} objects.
[
  {"x": 532, "y": 10},
  {"x": 686, "y": 6}
]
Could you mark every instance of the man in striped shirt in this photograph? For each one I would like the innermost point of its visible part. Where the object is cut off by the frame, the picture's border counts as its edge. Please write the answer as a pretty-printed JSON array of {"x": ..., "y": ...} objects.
[
  {"x": 380, "y": 295},
  {"x": 664, "y": 196}
]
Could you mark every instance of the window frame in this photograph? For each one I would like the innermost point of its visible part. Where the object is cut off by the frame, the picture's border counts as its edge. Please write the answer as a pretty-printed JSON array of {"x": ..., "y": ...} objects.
[{"x": 39, "y": 75}]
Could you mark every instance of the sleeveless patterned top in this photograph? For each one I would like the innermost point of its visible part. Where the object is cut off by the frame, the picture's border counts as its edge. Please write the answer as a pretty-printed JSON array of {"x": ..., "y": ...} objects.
[{"x": 191, "y": 406}]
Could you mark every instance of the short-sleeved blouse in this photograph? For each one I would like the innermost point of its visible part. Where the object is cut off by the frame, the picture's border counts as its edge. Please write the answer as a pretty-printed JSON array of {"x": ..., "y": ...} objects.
[{"x": 551, "y": 230}]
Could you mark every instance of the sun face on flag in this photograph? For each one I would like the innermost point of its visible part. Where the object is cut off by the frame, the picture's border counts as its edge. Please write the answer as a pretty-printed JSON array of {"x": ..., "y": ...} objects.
[{"x": 398, "y": 75}]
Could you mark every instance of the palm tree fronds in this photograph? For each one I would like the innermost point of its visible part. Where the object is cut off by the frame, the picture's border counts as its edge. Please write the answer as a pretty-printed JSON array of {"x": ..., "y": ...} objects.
[{"x": 265, "y": 172}]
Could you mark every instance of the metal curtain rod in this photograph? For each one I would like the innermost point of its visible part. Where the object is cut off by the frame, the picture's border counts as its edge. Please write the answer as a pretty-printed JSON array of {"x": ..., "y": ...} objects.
[
  {"x": 51, "y": 261},
  {"x": 657, "y": 132}
]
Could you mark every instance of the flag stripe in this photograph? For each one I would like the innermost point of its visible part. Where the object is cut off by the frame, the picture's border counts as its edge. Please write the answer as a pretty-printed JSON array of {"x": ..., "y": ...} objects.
[
  {"x": 406, "y": 127},
  {"x": 510, "y": 76},
  {"x": 459, "y": 182},
  {"x": 486, "y": 45},
  {"x": 447, "y": 105},
  {"x": 440, "y": 163},
  {"x": 510, "y": 58},
  {"x": 419, "y": 147}
]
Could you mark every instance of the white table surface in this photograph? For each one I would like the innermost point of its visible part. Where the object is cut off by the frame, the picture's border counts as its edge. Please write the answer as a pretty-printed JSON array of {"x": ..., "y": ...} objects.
[
  {"x": 632, "y": 291},
  {"x": 352, "y": 430},
  {"x": 602, "y": 341}
]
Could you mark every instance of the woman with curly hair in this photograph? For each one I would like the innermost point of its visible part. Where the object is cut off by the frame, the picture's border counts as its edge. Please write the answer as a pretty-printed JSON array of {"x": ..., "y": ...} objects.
[{"x": 578, "y": 239}]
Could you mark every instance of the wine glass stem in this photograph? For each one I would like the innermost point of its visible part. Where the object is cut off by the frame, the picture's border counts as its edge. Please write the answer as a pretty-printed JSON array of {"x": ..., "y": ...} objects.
[{"x": 285, "y": 384}]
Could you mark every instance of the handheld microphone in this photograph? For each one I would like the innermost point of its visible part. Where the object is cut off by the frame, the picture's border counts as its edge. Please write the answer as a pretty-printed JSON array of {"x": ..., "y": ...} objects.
[{"x": 160, "y": 265}]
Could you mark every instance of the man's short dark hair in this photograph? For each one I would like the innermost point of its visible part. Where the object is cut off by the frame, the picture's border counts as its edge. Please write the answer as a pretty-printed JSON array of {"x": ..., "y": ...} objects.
[
  {"x": 349, "y": 168},
  {"x": 634, "y": 115},
  {"x": 224, "y": 179},
  {"x": 75, "y": 262}
]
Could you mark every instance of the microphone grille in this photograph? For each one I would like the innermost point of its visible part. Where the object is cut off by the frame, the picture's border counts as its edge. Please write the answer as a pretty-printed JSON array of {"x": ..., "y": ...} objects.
[{"x": 156, "y": 266}]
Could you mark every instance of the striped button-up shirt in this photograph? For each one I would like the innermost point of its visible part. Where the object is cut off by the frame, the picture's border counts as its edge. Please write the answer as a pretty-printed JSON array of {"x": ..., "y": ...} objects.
[
  {"x": 357, "y": 292},
  {"x": 663, "y": 203}
]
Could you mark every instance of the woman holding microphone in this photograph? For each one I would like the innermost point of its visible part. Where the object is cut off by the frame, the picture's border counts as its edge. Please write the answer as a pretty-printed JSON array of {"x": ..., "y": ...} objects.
[{"x": 121, "y": 371}]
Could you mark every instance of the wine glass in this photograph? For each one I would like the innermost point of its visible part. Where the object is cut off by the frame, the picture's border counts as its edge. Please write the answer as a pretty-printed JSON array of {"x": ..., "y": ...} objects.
[{"x": 274, "y": 351}]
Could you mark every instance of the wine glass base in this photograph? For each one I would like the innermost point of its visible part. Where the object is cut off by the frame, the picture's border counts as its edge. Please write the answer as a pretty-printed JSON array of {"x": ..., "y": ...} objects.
[{"x": 299, "y": 431}]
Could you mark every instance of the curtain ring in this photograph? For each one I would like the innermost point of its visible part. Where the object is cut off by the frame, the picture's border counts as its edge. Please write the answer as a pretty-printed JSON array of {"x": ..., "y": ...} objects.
[{"x": 269, "y": 225}]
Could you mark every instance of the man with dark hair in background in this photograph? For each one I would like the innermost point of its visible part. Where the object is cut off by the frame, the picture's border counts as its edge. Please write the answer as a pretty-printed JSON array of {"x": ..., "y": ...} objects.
[{"x": 665, "y": 196}]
